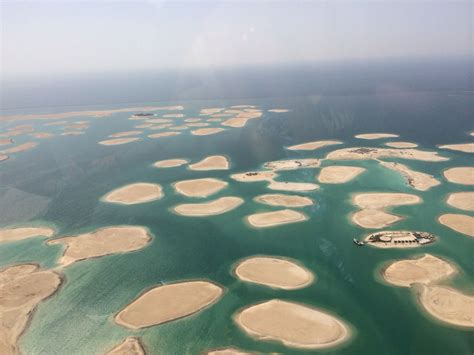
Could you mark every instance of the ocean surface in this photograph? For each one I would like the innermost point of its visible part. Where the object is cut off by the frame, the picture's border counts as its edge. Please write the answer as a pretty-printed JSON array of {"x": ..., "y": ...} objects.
[{"x": 61, "y": 181}]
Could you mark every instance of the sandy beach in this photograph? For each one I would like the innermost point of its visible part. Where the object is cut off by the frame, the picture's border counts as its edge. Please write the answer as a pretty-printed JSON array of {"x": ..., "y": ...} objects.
[
  {"x": 463, "y": 147},
  {"x": 130, "y": 346},
  {"x": 376, "y": 136},
  {"x": 274, "y": 272},
  {"x": 206, "y": 131},
  {"x": 462, "y": 200},
  {"x": 292, "y": 164},
  {"x": 460, "y": 175},
  {"x": 426, "y": 270},
  {"x": 214, "y": 162},
  {"x": 447, "y": 304},
  {"x": 418, "y": 180},
  {"x": 401, "y": 145},
  {"x": 134, "y": 193},
  {"x": 163, "y": 134},
  {"x": 339, "y": 174},
  {"x": 211, "y": 208},
  {"x": 293, "y": 324},
  {"x": 102, "y": 242},
  {"x": 364, "y": 153},
  {"x": 275, "y": 218},
  {"x": 118, "y": 141},
  {"x": 170, "y": 163},
  {"x": 284, "y": 200},
  {"x": 19, "y": 233},
  {"x": 125, "y": 134},
  {"x": 23, "y": 287},
  {"x": 169, "y": 302},
  {"x": 199, "y": 187},
  {"x": 313, "y": 145},
  {"x": 292, "y": 186},
  {"x": 459, "y": 222},
  {"x": 372, "y": 214}
]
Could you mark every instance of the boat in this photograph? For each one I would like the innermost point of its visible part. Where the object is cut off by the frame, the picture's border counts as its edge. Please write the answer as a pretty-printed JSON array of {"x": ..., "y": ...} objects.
[{"x": 358, "y": 242}]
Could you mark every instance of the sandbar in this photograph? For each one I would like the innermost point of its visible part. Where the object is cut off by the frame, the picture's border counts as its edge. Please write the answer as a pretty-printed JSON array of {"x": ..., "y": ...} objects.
[
  {"x": 144, "y": 125},
  {"x": 292, "y": 164},
  {"x": 416, "y": 179},
  {"x": 278, "y": 110},
  {"x": 241, "y": 119},
  {"x": 20, "y": 233},
  {"x": 460, "y": 175},
  {"x": 376, "y": 135},
  {"x": 426, "y": 270},
  {"x": 293, "y": 324},
  {"x": 447, "y": 304},
  {"x": 42, "y": 135},
  {"x": 23, "y": 287},
  {"x": 292, "y": 186},
  {"x": 160, "y": 126},
  {"x": 364, "y": 153},
  {"x": 3, "y": 157},
  {"x": 229, "y": 351},
  {"x": 6, "y": 141},
  {"x": 462, "y": 200},
  {"x": 275, "y": 218},
  {"x": 206, "y": 131},
  {"x": 211, "y": 208},
  {"x": 199, "y": 187},
  {"x": 372, "y": 214},
  {"x": 163, "y": 134},
  {"x": 284, "y": 200},
  {"x": 274, "y": 272},
  {"x": 401, "y": 145},
  {"x": 193, "y": 119},
  {"x": 130, "y": 346},
  {"x": 134, "y": 193},
  {"x": 198, "y": 124},
  {"x": 102, "y": 242},
  {"x": 339, "y": 174},
  {"x": 253, "y": 176},
  {"x": 170, "y": 163},
  {"x": 243, "y": 106},
  {"x": 214, "y": 120},
  {"x": 20, "y": 148},
  {"x": 459, "y": 222},
  {"x": 313, "y": 145},
  {"x": 179, "y": 128},
  {"x": 464, "y": 147},
  {"x": 118, "y": 141},
  {"x": 168, "y": 302},
  {"x": 213, "y": 162},
  {"x": 159, "y": 120},
  {"x": 73, "y": 133},
  {"x": 399, "y": 239},
  {"x": 125, "y": 134},
  {"x": 211, "y": 111},
  {"x": 174, "y": 115}
]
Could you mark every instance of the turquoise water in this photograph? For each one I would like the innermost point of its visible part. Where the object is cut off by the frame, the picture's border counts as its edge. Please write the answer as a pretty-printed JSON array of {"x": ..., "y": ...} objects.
[{"x": 62, "y": 180}]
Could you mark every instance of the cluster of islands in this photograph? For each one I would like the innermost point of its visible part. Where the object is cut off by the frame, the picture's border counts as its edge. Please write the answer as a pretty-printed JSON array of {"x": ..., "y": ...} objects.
[{"x": 293, "y": 324}]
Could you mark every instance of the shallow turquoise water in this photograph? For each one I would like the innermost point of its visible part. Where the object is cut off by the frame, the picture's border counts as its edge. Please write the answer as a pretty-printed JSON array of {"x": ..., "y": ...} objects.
[{"x": 62, "y": 180}]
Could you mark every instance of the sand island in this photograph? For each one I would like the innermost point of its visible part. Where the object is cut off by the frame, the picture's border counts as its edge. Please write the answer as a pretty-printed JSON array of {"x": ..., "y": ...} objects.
[
  {"x": 118, "y": 141},
  {"x": 169, "y": 302},
  {"x": 170, "y": 163},
  {"x": 130, "y": 346},
  {"x": 101, "y": 242},
  {"x": 365, "y": 153},
  {"x": 292, "y": 164},
  {"x": 229, "y": 351},
  {"x": 339, "y": 174},
  {"x": 278, "y": 110},
  {"x": 254, "y": 176},
  {"x": 401, "y": 145},
  {"x": 293, "y": 324},
  {"x": 206, "y": 131},
  {"x": 460, "y": 175},
  {"x": 134, "y": 193},
  {"x": 199, "y": 187},
  {"x": 398, "y": 239},
  {"x": 462, "y": 200},
  {"x": 20, "y": 233},
  {"x": 292, "y": 186},
  {"x": 274, "y": 272},
  {"x": 20, "y": 148},
  {"x": 459, "y": 222},
  {"x": 6, "y": 141},
  {"x": 23, "y": 287},
  {"x": 284, "y": 200},
  {"x": 464, "y": 147},
  {"x": 125, "y": 134},
  {"x": 241, "y": 119},
  {"x": 426, "y": 270},
  {"x": 376, "y": 135},
  {"x": 447, "y": 304},
  {"x": 211, "y": 208},
  {"x": 163, "y": 134},
  {"x": 418, "y": 180},
  {"x": 275, "y": 218},
  {"x": 372, "y": 214},
  {"x": 313, "y": 145},
  {"x": 214, "y": 162}
]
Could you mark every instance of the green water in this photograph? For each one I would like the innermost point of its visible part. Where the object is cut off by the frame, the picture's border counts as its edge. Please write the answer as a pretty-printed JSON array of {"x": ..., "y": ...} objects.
[{"x": 62, "y": 180}]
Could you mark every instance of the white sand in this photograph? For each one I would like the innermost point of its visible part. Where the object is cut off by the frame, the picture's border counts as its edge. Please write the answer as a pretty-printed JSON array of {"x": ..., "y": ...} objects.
[
  {"x": 275, "y": 218},
  {"x": 274, "y": 272},
  {"x": 166, "y": 303},
  {"x": 214, "y": 162},
  {"x": 278, "y": 110},
  {"x": 339, "y": 174},
  {"x": 292, "y": 186},
  {"x": 292, "y": 164},
  {"x": 376, "y": 135},
  {"x": 170, "y": 163},
  {"x": 163, "y": 134},
  {"x": 211, "y": 208},
  {"x": 134, "y": 193},
  {"x": 125, "y": 134},
  {"x": 206, "y": 131},
  {"x": 293, "y": 324},
  {"x": 284, "y": 200},
  {"x": 118, "y": 141},
  {"x": 199, "y": 187},
  {"x": 313, "y": 145},
  {"x": 401, "y": 145}
]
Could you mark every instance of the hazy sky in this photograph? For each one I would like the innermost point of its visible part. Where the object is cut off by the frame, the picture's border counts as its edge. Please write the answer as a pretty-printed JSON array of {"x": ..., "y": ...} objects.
[{"x": 40, "y": 37}]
